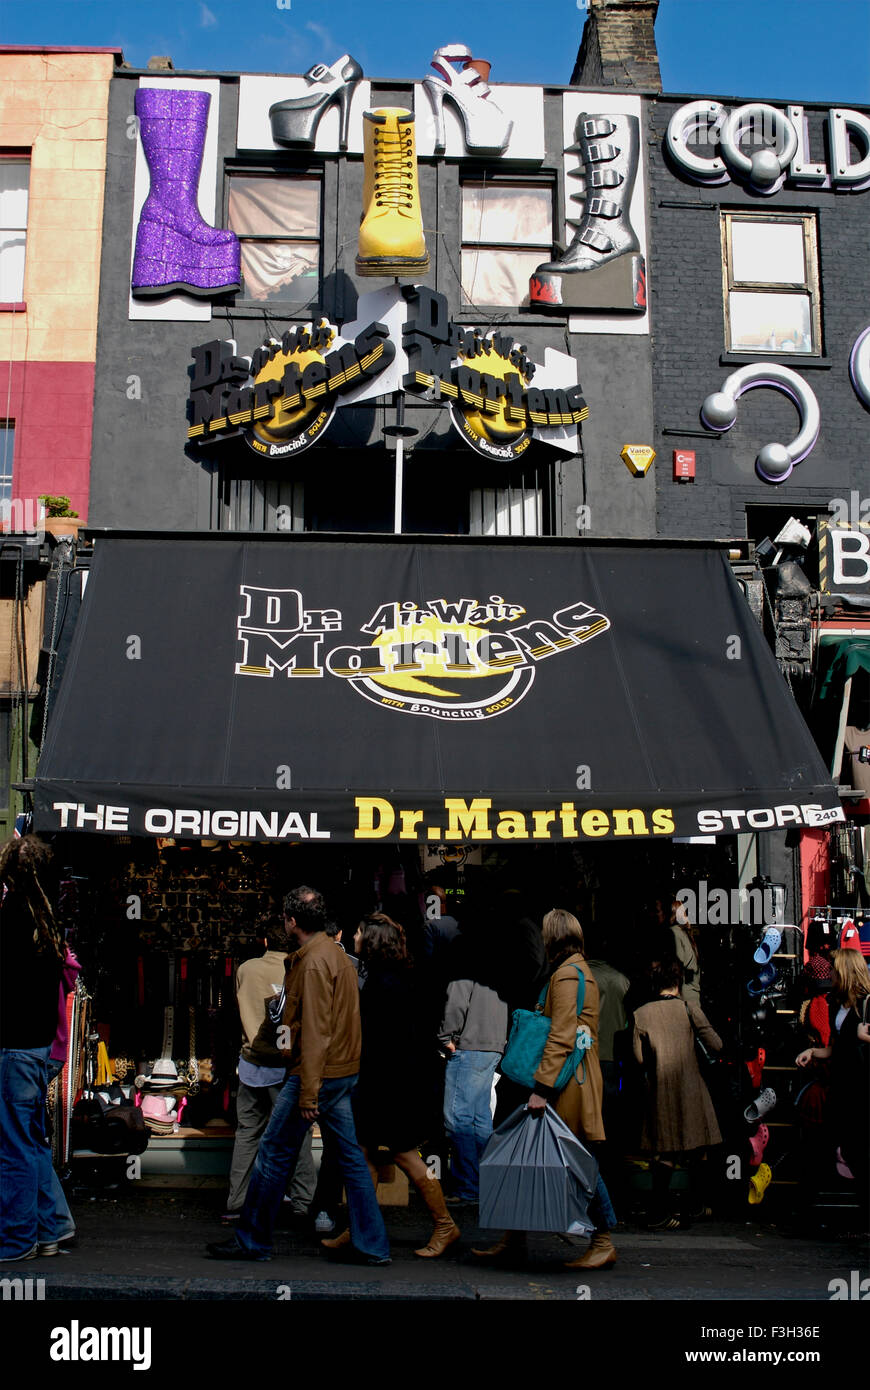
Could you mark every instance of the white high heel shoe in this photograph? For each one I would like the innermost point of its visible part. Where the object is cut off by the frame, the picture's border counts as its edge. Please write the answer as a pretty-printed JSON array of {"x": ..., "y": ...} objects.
[{"x": 487, "y": 129}]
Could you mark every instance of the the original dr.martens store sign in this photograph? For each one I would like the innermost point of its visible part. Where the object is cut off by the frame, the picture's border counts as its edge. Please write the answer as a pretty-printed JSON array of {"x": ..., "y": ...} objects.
[
  {"x": 485, "y": 378},
  {"x": 283, "y": 398},
  {"x": 438, "y": 693}
]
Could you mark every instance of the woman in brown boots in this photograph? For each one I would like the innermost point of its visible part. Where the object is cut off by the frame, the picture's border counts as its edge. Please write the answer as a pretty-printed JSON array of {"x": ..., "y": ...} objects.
[
  {"x": 396, "y": 1098},
  {"x": 579, "y": 1104}
]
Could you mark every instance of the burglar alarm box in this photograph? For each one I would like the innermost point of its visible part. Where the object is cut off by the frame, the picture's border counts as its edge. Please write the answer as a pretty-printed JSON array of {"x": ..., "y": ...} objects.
[{"x": 684, "y": 465}]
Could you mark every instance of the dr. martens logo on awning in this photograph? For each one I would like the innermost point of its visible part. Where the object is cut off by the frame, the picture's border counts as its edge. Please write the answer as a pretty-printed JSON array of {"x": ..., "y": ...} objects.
[
  {"x": 485, "y": 379},
  {"x": 284, "y": 397},
  {"x": 454, "y": 659}
]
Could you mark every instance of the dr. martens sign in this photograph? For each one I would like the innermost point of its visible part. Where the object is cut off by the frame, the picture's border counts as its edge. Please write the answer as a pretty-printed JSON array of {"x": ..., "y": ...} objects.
[
  {"x": 284, "y": 397},
  {"x": 706, "y": 140},
  {"x": 484, "y": 378}
]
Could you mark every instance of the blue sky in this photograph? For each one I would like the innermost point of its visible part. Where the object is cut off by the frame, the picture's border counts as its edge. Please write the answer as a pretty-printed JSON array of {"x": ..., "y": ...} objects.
[{"x": 814, "y": 50}]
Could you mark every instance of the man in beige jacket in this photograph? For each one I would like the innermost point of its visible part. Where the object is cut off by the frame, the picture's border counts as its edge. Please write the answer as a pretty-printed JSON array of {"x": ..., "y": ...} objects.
[{"x": 257, "y": 981}]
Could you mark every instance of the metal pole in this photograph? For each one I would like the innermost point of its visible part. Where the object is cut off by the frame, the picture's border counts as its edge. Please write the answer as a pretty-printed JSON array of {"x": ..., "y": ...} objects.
[{"x": 400, "y": 469}]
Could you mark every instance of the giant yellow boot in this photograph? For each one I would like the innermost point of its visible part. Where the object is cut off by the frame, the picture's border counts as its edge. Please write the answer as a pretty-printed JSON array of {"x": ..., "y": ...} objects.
[{"x": 391, "y": 240}]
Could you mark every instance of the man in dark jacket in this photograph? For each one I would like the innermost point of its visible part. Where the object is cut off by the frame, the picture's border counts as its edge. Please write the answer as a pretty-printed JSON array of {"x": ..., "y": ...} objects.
[{"x": 319, "y": 1042}]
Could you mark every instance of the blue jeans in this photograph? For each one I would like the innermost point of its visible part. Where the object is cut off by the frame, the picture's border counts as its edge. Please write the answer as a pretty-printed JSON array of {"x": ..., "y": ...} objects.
[
  {"x": 277, "y": 1154},
  {"x": 30, "y": 1193},
  {"x": 601, "y": 1208},
  {"x": 468, "y": 1115}
]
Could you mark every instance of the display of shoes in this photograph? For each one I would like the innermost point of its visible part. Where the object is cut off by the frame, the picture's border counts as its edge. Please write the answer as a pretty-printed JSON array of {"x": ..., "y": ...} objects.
[
  {"x": 761, "y": 1106},
  {"x": 770, "y": 944},
  {"x": 295, "y": 120},
  {"x": 759, "y": 1183},
  {"x": 756, "y": 1067},
  {"x": 758, "y": 1143},
  {"x": 176, "y": 249},
  {"x": 487, "y": 130}
]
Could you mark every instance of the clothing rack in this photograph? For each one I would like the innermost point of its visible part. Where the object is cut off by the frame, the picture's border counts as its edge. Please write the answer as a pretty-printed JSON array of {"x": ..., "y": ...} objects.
[{"x": 858, "y": 915}]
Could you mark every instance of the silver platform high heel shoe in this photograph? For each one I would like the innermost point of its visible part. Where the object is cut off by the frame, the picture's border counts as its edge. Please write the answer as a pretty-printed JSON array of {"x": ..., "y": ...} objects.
[
  {"x": 295, "y": 120},
  {"x": 487, "y": 129}
]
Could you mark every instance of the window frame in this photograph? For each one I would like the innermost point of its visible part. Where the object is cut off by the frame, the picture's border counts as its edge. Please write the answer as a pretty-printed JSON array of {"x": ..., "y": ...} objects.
[
  {"x": 540, "y": 180},
  {"x": 284, "y": 307},
  {"x": 7, "y": 434},
  {"x": 19, "y": 156},
  {"x": 808, "y": 287}
]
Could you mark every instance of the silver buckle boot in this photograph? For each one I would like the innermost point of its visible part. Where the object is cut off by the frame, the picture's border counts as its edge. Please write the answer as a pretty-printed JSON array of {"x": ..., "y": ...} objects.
[{"x": 586, "y": 276}]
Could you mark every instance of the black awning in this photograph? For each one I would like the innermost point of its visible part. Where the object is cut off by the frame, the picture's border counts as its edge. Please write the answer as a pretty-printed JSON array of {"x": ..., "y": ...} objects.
[{"x": 361, "y": 690}]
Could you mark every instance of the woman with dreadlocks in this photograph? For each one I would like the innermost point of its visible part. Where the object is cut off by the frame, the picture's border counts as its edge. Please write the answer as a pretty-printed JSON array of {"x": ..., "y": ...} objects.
[{"x": 32, "y": 954}]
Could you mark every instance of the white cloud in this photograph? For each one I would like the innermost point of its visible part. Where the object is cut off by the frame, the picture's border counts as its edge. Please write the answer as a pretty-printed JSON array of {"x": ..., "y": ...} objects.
[
  {"x": 323, "y": 35},
  {"x": 207, "y": 20}
]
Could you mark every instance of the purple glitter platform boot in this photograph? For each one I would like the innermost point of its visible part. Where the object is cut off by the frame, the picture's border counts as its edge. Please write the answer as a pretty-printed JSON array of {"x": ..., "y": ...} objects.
[{"x": 175, "y": 249}]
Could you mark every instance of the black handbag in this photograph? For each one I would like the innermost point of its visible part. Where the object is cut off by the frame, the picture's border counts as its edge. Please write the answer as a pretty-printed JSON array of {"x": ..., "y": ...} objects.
[{"x": 708, "y": 1061}]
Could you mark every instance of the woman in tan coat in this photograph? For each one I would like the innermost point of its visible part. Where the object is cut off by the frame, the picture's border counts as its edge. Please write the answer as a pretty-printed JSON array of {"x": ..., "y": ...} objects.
[
  {"x": 579, "y": 1103},
  {"x": 679, "y": 1119}
]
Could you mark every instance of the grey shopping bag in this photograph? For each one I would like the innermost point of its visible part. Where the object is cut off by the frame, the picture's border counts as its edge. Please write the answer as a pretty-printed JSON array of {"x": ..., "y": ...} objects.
[{"x": 535, "y": 1175}]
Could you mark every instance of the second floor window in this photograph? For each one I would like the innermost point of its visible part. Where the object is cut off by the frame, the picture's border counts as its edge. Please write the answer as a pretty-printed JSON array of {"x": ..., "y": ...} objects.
[
  {"x": 14, "y": 191},
  {"x": 770, "y": 281},
  {"x": 277, "y": 221},
  {"x": 507, "y": 232}
]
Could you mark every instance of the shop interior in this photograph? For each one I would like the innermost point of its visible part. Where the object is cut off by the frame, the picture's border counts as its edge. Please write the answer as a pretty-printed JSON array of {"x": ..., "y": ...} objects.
[{"x": 160, "y": 927}]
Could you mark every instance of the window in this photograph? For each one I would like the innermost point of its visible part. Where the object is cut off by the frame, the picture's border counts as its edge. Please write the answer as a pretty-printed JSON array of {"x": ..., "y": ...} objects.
[
  {"x": 770, "y": 267},
  {"x": 507, "y": 232},
  {"x": 507, "y": 511},
  {"x": 7, "y": 450},
  {"x": 14, "y": 188},
  {"x": 277, "y": 221},
  {"x": 248, "y": 504}
]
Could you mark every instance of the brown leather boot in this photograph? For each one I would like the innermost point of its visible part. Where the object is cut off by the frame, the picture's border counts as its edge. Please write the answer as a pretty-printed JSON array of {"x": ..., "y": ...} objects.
[
  {"x": 512, "y": 1246},
  {"x": 337, "y": 1242},
  {"x": 446, "y": 1230},
  {"x": 601, "y": 1252}
]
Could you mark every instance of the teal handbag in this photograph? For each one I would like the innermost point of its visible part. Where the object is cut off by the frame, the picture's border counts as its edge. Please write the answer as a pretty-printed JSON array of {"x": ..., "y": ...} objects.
[{"x": 530, "y": 1030}]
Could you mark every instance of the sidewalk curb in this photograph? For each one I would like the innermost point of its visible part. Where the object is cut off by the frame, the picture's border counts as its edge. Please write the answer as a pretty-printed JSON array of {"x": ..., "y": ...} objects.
[{"x": 98, "y": 1288}]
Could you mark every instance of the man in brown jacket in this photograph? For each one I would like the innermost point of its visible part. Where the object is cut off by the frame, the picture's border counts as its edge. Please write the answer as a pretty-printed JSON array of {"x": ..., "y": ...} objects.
[
  {"x": 319, "y": 1042},
  {"x": 257, "y": 981}
]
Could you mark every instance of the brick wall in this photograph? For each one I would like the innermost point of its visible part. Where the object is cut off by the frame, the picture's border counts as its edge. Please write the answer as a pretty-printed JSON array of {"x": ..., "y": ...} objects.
[
  {"x": 55, "y": 105},
  {"x": 618, "y": 48},
  {"x": 689, "y": 357}
]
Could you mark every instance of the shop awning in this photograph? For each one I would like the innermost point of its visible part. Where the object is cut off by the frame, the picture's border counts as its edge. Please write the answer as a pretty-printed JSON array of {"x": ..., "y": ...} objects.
[{"x": 369, "y": 690}]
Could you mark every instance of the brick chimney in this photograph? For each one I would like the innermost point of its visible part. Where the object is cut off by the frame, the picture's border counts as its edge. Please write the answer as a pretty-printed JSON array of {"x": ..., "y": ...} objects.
[{"x": 618, "y": 48}]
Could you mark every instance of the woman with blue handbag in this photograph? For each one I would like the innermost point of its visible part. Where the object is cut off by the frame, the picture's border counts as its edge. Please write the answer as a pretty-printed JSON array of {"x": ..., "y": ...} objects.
[{"x": 568, "y": 1074}]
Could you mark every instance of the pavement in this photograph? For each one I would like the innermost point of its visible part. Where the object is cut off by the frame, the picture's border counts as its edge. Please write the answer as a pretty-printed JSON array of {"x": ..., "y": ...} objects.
[{"x": 147, "y": 1242}]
